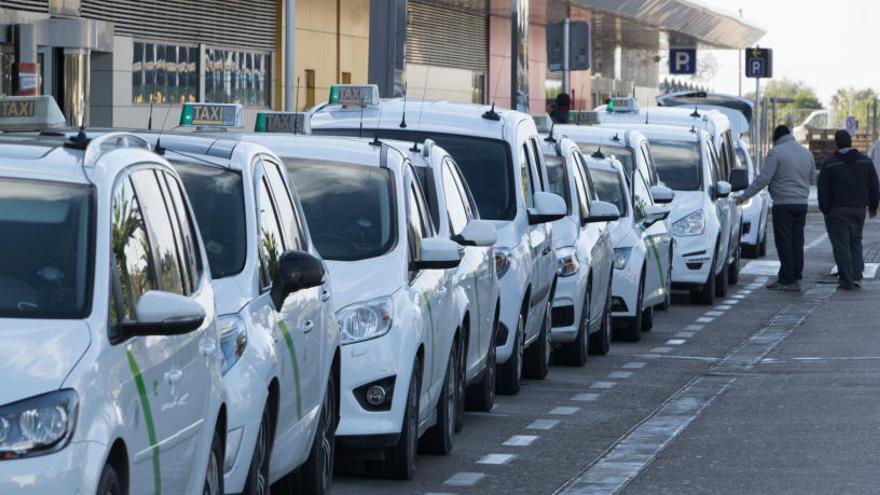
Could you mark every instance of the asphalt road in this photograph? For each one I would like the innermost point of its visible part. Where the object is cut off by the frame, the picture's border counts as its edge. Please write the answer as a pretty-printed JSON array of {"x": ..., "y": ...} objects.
[{"x": 764, "y": 393}]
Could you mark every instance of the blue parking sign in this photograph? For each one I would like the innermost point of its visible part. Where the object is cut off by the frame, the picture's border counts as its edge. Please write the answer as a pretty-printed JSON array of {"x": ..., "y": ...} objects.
[
  {"x": 759, "y": 63},
  {"x": 682, "y": 61}
]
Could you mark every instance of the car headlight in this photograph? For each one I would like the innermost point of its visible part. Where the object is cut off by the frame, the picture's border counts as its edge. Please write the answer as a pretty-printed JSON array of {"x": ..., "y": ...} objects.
[
  {"x": 38, "y": 425},
  {"x": 693, "y": 224},
  {"x": 567, "y": 262},
  {"x": 365, "y": 321},
  {"x": 621, "y": 257},
  {"x": 502, "y": 261},
  {"x": 233, "y": 340}
]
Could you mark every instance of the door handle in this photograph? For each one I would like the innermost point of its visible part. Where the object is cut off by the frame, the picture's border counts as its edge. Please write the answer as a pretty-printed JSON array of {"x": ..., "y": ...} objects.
[
  {"x": 173, "y": 376},
  {"x": 308, "y": 326},
  {"x": 325, "y": 295}
]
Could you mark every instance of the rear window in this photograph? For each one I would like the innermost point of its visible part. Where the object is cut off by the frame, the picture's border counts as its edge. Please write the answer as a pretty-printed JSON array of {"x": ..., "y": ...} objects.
[
  {"x": 678, "y": 164},
  {"x": 624, "y": 155}
]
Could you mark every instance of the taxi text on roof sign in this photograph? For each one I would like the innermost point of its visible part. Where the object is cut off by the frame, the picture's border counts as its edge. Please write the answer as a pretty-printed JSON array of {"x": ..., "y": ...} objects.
[
  {"x": 354, "y": 95},
  {"x": 28, "y": 113},
  {"x": 295, "y": 122},
  {"x": 212, "y": 115}
]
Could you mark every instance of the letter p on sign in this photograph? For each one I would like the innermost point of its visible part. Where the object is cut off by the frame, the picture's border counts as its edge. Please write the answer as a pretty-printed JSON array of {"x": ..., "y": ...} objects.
[{"x": 682, "y": 60}]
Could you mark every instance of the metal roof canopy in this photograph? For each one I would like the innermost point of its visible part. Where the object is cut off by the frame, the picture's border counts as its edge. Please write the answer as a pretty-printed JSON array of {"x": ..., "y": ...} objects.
[{"x": 689, "y": 18}]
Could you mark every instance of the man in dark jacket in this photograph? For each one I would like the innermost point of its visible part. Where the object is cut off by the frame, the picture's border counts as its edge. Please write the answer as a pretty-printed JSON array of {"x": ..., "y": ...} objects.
[{"x": 848, "y": 185}]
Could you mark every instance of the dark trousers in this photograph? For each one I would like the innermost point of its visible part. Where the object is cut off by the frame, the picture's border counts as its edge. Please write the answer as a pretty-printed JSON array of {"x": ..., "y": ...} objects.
[
  {"x": 788, "y": 233},
  {"x": 845, "y": 227}
]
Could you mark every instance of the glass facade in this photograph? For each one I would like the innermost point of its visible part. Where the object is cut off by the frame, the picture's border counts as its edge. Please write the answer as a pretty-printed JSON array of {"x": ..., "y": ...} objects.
[
  {"x": 234, "y": 76},
  {"x": 164, "y": 73}
]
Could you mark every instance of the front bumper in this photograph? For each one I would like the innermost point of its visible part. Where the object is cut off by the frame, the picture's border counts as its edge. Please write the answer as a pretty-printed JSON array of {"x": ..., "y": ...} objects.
[
  {"x": 75, "y": 470},
  {"x": 625, "y": 290},
  {"x": 752, "y": 225},
  {"x": 692, "y": 260},
  {"x": 568, "y": 305},
  {"x": 512, "y": 288}
]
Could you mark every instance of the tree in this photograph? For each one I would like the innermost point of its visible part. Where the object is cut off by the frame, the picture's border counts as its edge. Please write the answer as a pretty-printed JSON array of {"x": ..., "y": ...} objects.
[
  {"x": 805, "y": 99},
  {"x": 856, "y": 102}
]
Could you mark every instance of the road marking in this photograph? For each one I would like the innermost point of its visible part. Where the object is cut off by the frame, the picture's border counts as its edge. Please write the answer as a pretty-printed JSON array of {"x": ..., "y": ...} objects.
[
  {"x": 496, "y": 459},
  {"x": 464, "y": 479},
  {"x": 675, "y": 341},
  {"x": 694, "y": 328},
  {"x": 684, "y": 335},
  {"x": 632, "y": 453},
  {"x": 705, "y": 319},
  {"x": 761, "y": 267},
  {"x": 603, "y": 385},
  {"x": 619, "y": 375},
  {"x": 660, "y": 350},
  {"x": 746, "y": 291},
  {"x": 869, "y": 272},
  {"x": 564, "y": 410},
  {"x": 816, "y": 242},
  {"x": 714, "y": 314},
  {"x": 543, "y": 424},
  {"x": 731, "y": 301},
  {"x": 738, "y": 296},
  {"x": 723, "y": 307},
  {"x": 520, "y": 440},
  {"x": 585, "y": 397},
  {"x": 635, "y": 365},
  {"x": 693, "y": 358}
]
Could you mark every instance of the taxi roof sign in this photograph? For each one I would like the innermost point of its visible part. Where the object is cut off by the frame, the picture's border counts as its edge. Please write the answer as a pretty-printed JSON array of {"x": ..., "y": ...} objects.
[
  {"x": 622, "y": 104},
  {"x": 354, "y": 95},
  {"x": 30, "y": 113},
  {"x": 293, "y": 122},
  {"x": 583, "y": 117},
  {"x": 223, "y": 115}
]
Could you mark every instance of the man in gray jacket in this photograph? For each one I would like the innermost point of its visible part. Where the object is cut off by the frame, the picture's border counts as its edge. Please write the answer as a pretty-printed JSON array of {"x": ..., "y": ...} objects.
[{"x": 788, "y": 170}]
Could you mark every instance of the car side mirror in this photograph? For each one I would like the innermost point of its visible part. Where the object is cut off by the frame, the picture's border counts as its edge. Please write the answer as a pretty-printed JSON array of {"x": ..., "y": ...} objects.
[
  {"x": 602, "y": 211},
  {"x": 478, "y": 233},
  {"x": 297, "y": 270},
  {"x": 722, "y": 189},
  {"x": 164, "y": 313},
  {"x": 437, "y": 254},
  {"x": 662, "y": 195},
  {"x": 654, "y": 214},
  {"x": 739, "y": 179},
  {"x": 548, "y": 207}
]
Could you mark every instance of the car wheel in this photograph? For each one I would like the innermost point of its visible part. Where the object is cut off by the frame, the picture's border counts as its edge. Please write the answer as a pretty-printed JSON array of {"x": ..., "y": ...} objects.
[
  {"x": 109, "y": 482},
  {"x": 631, "y": 329},
  {"x": 510, "y": 373},
  {"x": 667, "y": 300},
  {"x": 461, "y": 387},
  {"x": 600, "y": 342},
  {"x": 481, "y": 396},
  {"x": 537, "y": 357},
  {"x": 439, "y": 438},
  {"x": 400, "y": 461},
  {"x": 733, "y": 269},
  {"x": 213, "y": 475},
  {"x": 648, "y": 319},
  {"x": 705, "y": 295},
  {"x": 316, "y": 474},
  {"x": 257, "y": 482},
  {"x": 575, "y": 353},
  {"x": 721, "y": 281}
]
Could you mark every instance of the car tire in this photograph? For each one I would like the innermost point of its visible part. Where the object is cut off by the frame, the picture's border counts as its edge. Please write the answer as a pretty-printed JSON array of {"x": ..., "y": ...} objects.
[
  {"x": 600, "y": 342},
  {"x": 481, "y": 395},
  {"x": 536, "y": 364},
  {"x": 510, "y": 373},
  {"x": 630, "y": 330},
  {"x": 257, "y": 481},
  {"x": 733, "y": 269},
  {"x": 214, "y": 473},
  {"x": 575, "y": 353},
  {"x": 667, "y": 300},
  {"x": 461, "y": 390},
  {"x": 109, "y": 483},
  {"x": 316, "y": 475},
  {"x": 648, "y": 319},
  {"x": 439, "y": 438},
  {"x": 400, "y": 460},
  {"x": 721, "y": 281},
  {"x": 750, "y": 252}
]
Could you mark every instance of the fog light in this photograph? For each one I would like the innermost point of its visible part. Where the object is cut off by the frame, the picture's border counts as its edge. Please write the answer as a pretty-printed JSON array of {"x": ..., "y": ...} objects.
[{"x": 375, "y": 395}]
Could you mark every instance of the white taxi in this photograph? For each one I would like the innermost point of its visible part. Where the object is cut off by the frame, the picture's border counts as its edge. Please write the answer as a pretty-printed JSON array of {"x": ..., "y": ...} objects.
[
  {"x": 584, "y": 250},
  {"x": 400, "y": 315},
  {"x": 499, "y": 155},
  {"x": 642, "y": 248},
  {"x": 755, "y": 211},
  {"x": 108, "y": 343}
]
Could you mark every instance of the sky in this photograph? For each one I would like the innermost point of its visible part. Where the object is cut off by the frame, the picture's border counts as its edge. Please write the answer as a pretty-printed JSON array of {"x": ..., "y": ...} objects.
[{"x": 826, "y": 44}]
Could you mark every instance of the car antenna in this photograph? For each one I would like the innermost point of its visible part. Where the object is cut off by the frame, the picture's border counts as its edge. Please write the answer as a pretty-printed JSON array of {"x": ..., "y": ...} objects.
[
  {"x": 550, "y": 138},
  {"x": 696, "y": 113},
  {"x": 577, "y": 118},
  {"x": 152, "y": 97},
  {"x": 598, "y": 153},
  {"x": 403, "y": 118},
  {"x": 158, "y": 149},
  {"x": 80, "y": 141},
  {"x": 296, "y": 96},
  {"x": 491, "y": 114},
  {"x": 415, "y": 146},
  {"x": 647, "y": 112},
  {"x": 361, "y": 122},
  {"x": 375, "y": 141}
]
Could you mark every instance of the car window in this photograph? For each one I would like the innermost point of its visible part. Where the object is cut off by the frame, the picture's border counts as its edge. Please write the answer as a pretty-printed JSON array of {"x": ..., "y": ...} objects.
[
  {"x": 458, "y": 216},
  {"x": 624, "y": 155},
  {"x": 678, "y": 163},
  {"x": 586, "y": 176},
  {"x": 541, "y": 183},
  {"x": 641, "y": 197},
  {"x": 582, "y": 190},
  {"x": 426, "y": 180},
  {"x": 350, "y": 209},
  {"x": 132, "y": 254},
  {"x": 169, "y": 272},
  {"x": 464, "y": 190},
  {"x": 610, "y": 189},
  {"x": 416, "y": 219},
  {"x": 525, "y": 173},
  {"x": 187, "y": 260},
  {"x": 271, "y": 241},
  {"x": 287, "y": 214},
  {"x": 557, "y": 182},
  {"x": 714, "y": 165},
  {"x": 649, "y": 171}
]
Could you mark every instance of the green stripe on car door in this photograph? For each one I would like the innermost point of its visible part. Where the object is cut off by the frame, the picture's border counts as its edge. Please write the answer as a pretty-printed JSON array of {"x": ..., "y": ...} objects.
[
  {"x": 656, "y": 252},
  {"x": 291, "y": 348},
  {"x": 148, "y": 419}
]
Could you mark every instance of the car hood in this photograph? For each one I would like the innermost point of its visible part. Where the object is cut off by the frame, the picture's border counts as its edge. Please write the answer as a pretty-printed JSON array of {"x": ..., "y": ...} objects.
[
  {"x": 685, "y": 203},
  {"x": 37, "y": 355},
  {"x": 357, "y": 281}
]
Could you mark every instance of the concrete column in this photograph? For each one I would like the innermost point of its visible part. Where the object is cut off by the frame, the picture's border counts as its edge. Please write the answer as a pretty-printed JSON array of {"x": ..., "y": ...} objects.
[
  {"x": 76, "y": 86},
  {"x": 26, "y": 59},
  {"x": 289, "y": 55},
  {"x": 387, "y": 62}
]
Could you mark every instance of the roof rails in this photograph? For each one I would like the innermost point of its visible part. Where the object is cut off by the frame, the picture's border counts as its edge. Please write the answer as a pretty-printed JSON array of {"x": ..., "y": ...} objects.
[{"x": 95, "y": 148}]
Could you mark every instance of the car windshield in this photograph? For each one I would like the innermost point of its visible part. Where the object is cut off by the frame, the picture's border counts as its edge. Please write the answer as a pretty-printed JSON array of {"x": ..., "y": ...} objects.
[
  {"x": 609, "y": 188},
  {"x": 217, "y": 199},
  {"x": 624, "y": 155},
  {"x": 556, "y": 177},
  {"x": 678, "y": 163},
  {"x": 485, "y": 163},
  {"x": 349, "y": 208},
  {"x": 47, "y": 246}
]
